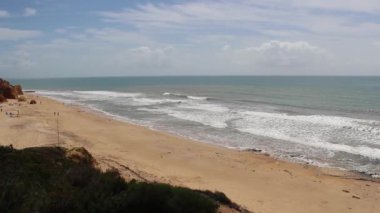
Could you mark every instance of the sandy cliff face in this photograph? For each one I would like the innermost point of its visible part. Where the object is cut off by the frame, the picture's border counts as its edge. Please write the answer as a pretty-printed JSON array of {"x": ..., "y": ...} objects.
[{"x": 8, "y": 91}]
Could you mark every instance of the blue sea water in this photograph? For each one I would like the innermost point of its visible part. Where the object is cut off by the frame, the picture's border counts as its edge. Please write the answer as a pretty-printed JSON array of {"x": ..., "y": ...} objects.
[{"x": 326, "y": 121}]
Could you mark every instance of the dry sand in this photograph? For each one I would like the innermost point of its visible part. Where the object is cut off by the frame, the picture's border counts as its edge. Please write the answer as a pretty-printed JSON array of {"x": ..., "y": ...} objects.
[{"x": 255, "y": 181}]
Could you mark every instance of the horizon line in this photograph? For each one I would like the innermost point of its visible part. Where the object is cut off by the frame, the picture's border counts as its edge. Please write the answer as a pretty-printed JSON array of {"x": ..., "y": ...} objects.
[{"x": 158, "y": 76}]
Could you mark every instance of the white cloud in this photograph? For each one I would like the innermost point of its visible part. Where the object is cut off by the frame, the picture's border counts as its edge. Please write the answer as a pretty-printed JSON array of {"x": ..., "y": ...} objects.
[
  {"x": 280, "y": 57},
  {"x": 4, "y": 14},
  {"x": 196, "y": 13},
  {"x": 144, "y": 58},
  {"x": 275, "y": 18},
  {"x": 212, "y": 37},
  {"x": 22, "y": 58},
  {"x": 284, "y": 53},
  {"x": 29, "y": 11},
  {"x": 13, "y": 34},
  {"x": 370, "y": 6},
  {"x": 98, "y": 56},
  {"x": 60, "y": 30},
  {"x": 16, "y": 60},
  {"x": 94, "y": 55},
  {"x": 284, "y": 46},
  {"x": 117, "y": 36}
]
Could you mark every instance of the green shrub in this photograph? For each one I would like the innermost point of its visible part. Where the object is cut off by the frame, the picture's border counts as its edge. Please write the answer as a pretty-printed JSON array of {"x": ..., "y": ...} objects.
[
  {"x": 6, "y": 149},
  {"x": 44, "y": 180}
]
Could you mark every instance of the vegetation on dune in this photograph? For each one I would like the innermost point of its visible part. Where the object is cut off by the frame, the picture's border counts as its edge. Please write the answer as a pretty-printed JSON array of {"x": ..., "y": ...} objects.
[{"x": 45, "y": 179}]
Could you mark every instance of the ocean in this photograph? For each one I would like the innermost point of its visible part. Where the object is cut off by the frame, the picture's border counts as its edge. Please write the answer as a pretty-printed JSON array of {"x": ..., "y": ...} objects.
[{"x": 324, "y": 121}]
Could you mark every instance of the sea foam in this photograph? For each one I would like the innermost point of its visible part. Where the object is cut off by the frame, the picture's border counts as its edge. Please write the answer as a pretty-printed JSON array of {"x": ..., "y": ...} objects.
[{"x": 178, "y": 95}]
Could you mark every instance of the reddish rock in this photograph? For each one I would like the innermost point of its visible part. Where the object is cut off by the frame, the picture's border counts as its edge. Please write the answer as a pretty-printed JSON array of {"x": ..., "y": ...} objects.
[
  {"x": 9, "y": 91},
  {"x": 2, "y": 99}
]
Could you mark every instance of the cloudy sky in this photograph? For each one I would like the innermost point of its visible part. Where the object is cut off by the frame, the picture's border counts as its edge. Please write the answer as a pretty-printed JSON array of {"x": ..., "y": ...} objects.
[{"x": 54, "y": 38}]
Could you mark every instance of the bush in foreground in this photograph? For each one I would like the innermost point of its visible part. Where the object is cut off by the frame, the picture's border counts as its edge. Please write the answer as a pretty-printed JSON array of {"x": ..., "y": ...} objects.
[{"x": 45, "y": 180}]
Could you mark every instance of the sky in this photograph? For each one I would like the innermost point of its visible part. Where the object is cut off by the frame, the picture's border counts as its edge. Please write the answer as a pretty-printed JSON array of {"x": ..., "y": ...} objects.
[{"x": 71, "y": 38}]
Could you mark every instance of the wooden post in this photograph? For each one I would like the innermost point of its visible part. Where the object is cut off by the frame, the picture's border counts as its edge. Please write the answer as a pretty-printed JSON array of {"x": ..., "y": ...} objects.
[{"x": 57, "y": 130}]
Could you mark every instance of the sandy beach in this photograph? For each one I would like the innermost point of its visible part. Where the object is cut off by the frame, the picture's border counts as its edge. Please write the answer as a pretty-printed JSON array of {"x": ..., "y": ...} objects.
[{"x": 253, "y": 180}]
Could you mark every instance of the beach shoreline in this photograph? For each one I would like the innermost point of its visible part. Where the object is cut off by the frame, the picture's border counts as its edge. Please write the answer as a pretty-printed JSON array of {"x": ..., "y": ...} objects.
[
  {"x": 337, "y": 171},
  {"x": 256, "y": 181}
]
